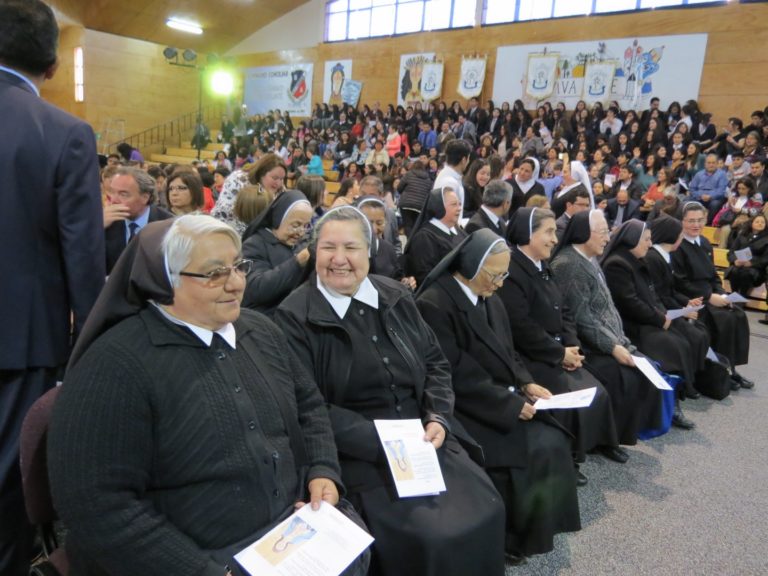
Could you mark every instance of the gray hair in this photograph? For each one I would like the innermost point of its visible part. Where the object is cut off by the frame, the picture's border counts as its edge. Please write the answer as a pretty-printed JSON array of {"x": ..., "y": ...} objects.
[
  {"x": 182, "y": 238},
  {"x": 344, "y": 214},
  {"x": 538, "y": 216},
  {"x": 145, "y": 182},
  {"x": 496, "y": 193},
  {"x": 373, "y": 181}
]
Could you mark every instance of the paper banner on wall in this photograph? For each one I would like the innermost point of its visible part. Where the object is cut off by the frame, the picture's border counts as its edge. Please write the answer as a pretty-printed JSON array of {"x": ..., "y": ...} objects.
[
  {"x": 350, "y": 93},
  {"x": 598, "y": 81},
  {"x": 668, "y": 67},
  {"x": 287, "y": 88},
  {"x": 472, "y": 77},
  {"x": 337, "y": 74},
  {"x": 541, "y": 75},
  {"x": 432, "y": 81},
  {"x": 410, "y": 76}
]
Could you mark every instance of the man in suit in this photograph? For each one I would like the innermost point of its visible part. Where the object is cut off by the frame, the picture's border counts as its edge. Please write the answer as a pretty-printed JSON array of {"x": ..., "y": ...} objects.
[
  {"x": 576, "y": 200},
  {"x": 131, "y": 207},
  {"x": 621, "y": 209},
  {"x": 759, "y": 177},
  {"x": 53, "y": 247},
  {"x": 627, "y": 182},
  {"x": 497, "y": 200}
]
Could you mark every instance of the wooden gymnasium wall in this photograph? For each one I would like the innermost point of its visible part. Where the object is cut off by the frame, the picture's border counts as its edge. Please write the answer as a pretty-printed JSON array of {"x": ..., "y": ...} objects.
[{"x": 734, "y": 80}]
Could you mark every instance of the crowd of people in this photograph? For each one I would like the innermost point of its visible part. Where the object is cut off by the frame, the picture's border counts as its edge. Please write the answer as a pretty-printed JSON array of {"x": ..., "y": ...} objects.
[{"x": 473, "y": 262}]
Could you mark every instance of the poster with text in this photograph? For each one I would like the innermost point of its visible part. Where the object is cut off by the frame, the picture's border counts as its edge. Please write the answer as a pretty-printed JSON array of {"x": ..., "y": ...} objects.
[
  {"x": 409, "y": 77},
  {"x": 287, "y": 88},
  {"x": 337, "y": 73},
  {"x": 668, "y": 67}
]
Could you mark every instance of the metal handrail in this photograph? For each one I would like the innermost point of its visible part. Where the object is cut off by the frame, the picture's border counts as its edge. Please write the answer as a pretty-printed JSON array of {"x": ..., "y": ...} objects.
[{"x": 161, "y": 133}]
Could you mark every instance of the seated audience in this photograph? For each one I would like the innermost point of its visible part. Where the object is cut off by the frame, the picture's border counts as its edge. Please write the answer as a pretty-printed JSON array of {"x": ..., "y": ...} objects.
[
  {"x": 185, "y": 193},
  {"x": 141, "y": 463},
  {"x": 276, "y": 244},
  {"x": 373, "y": 357},
  {"x": 744, "y": 274},
  {"x": 708, "y": 187},
  {"x": 626, "y": 181},
  {"x": 621, "y": 209},
  {"x": 497, "y": 200},
  {"x": 527, "y": 455},
  {"x": 524, "y": 184},
  {"x": 575, "y": 200},
  {"x": 478, "y": 176}
]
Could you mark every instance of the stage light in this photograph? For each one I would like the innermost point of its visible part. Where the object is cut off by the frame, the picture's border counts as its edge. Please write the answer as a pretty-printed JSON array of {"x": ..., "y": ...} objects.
[
  {"x": 222, "y": 82},
  {"x": 184, "y": 26},
  {"x": 170, "y": 53},
  {"x": 189, "y": 55}
]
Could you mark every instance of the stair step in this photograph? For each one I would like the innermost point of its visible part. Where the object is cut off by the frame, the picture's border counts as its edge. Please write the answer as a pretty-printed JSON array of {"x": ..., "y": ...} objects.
[{"x": 190, "y": 153}]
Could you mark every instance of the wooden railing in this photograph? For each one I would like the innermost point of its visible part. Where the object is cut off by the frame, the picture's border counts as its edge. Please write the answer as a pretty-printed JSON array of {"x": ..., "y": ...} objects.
[{"x": 171, "y": 132}]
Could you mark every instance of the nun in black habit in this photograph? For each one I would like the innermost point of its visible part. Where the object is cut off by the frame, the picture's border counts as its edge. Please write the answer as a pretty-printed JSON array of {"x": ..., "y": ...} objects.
[
  {"x": 435, "y": 233},
  {"x": 547, "y": 341},
  {"x": 385, "y": 260},
  {"x": 679, "y": 350},
  {"x": 276, "y": 243},
  {"x": 374, "y": 357},
  {"x": 528, "y": 458},
  {"x": 695, "y": 276}
]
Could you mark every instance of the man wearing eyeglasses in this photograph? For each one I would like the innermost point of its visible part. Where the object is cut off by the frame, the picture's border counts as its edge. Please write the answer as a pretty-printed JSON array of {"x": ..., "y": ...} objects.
[{"x": 130, "y": 207}]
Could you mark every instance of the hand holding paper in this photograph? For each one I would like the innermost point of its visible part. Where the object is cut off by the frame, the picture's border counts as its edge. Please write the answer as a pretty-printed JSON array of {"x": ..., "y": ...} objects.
[
  {"x": 576, "y": 399},
  {"x": 651, "y": 373},
  {"x": 680, "y": 312},
  {"x": 735, "y": 298}
]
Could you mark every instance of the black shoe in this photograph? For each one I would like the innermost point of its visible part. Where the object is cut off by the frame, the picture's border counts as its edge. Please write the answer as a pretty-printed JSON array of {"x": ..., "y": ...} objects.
[
  {"x": 692, "y": 394},
  {"x": 735, "y": 384},
  {"x": 614, "y": 453},
  {"x": 680, "y": 421},
  {"x": 581, "y": 480},
  {"x": 515, "y": 558},
  {"x": 743, "y": 382}
]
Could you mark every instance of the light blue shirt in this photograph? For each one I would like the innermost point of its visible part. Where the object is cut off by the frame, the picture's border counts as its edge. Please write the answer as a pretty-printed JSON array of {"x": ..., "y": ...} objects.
[
  {"x": 141, "y": 221},
  {"x": 20, "y": 75},
  {"x": 705, "y": 183}
]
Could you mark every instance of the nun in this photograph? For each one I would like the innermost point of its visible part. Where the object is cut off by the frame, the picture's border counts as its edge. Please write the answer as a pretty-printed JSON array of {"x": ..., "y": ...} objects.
[
  {"x": 696, "y": 277},
  {"x": 276, "y": 243},
  {"x": 642, "y": 312},
  {"x": 184, "y": 430},
  {"x": 607, "y": 349},
  {"x": 373, "y": 357},
  {"x": 666, "y": 236},
  {"x": 574, "y": 175},
  {"x": 435, "y": 233},
  {"x": 525, "y": 185},
  {"x": 527, "y": 455},
  {"x": 548, "y": 342}
]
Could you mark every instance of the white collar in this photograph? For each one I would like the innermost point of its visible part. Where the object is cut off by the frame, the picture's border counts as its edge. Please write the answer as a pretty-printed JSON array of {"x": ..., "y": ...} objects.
[
  {"x": 536, "y": 263},
  {"x": 664, "y": 253},
  {"x": 494, "y": 218},
  {"x": 227, "y": 332},
  {"x": 366, "y": 293},
  {"x": 464, "y": 288},
  {"x": 438, "y": 224},
  {"x": 693, "y": 239}
]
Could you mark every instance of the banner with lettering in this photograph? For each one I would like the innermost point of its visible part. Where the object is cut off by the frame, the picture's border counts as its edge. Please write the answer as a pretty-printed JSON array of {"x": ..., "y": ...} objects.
[
  {"x": 432, "y": 81},
  {"x": 541, "y": 75},
  {"x": 668, "y": 67},
  {"x": 287, "y": 88},
  {"x": 472, "y": 77}
]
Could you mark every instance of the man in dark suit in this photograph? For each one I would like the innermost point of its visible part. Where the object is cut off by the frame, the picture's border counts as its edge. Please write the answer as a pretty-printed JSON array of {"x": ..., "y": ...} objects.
[
  {"x": 497, "y": 199},
  {"x": 621, "y": 209},
  {"x": 759, "y": 177},
  {"x": 53, "y": 248},
  {"x": 130, "y": 208},
  {"x": 576, "y": 200},
  {"x": 627, "y": 182}
]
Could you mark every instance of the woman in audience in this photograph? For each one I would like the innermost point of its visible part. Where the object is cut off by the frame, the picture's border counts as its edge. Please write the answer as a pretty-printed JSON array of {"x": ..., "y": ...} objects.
[
  {"x": 276, "y": 243},
  {"x": 527, "y": 455},
  {"x": 598, "y": 323},
  {"x": 656, "y": 192},
  {"x": 547, "y": 340},
  {"x": 524, "y": 184},
  {"x": 221, "y": 161},
  {"x": 678, "y": 348},
  {"x": 747, "y": 270},
  {"x": 268, "y": 174},
  {"x": 250, "y": 202},
  {"x": 373, "y": 357},
  {"x": 185, "y": 193},
  {"x": 478, "y": 175},
  {"x": 129, "y": 153},
  {"x": 740, "y": 202}
]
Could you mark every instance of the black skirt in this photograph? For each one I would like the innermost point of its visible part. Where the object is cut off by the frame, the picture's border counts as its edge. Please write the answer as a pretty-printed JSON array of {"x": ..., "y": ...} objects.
[{"x": 728, "y": 332}]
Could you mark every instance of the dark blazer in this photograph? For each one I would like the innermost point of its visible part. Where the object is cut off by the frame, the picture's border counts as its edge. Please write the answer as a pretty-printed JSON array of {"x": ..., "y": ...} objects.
[
  {"x": 481, "y": 220},
  {"x": 275, "y": 272},
  {"x": 426, "y": 248},
  {"x": 664, "y": 281},
  {"x": 634, "y": 190},
  {"x": 114, "y": 235},
  {"x": 484, "y": 365},
  {"x": 694, "y": 270},
  {"x": 631, "y": 210},
  {"x": 50, "y": 228},
  {"x": 562, "y": 224}
]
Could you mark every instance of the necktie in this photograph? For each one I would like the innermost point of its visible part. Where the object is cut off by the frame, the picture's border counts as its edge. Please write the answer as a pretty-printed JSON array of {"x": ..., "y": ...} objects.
[
  {"x": 619, "y": 216},
  {"x": 133, "y": 230}
]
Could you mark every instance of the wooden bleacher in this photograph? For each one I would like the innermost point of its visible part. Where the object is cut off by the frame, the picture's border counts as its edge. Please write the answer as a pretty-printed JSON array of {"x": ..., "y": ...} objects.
[{"x": 756, "y": 299}]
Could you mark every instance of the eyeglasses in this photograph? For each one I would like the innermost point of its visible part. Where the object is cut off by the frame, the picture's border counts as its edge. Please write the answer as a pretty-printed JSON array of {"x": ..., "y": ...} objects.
[
  {"x": 695, "y": 221},
  {"x": 496, "y": 278},
  {"x": 299, "y": 227},
  {"x": 179, "y": 188},
  {"x": 603, "y": 232},
  {"x": 219, "y": 276}
]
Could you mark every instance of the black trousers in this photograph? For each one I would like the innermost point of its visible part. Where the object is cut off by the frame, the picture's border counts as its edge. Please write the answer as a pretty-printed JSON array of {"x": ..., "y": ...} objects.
[{"x": 18, "y": 391}]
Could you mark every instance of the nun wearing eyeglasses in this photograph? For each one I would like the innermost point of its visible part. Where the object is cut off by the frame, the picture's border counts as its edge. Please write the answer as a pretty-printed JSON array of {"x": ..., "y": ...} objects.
[
  {"x": 548, "y": 342},
  {"x": 185, "y": 426},
  {"x": 374, "y": 357},
  {"x": 527, "y": 456},
  {"x": 276, "y": 243},
  {"x": 435, "y": 233},
  {"x": 677, "y": 348}
]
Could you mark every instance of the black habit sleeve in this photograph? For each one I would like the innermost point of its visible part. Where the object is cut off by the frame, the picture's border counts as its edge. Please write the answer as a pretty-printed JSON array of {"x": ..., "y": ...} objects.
[{"x": 620, "y": 278}]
